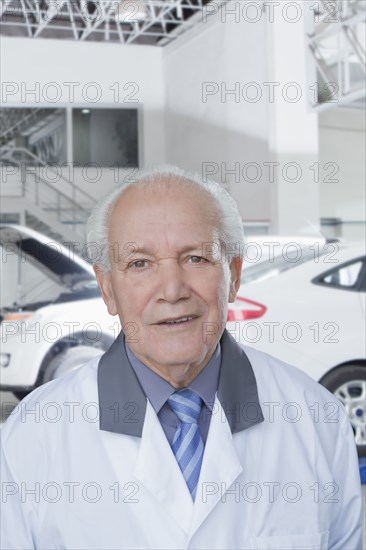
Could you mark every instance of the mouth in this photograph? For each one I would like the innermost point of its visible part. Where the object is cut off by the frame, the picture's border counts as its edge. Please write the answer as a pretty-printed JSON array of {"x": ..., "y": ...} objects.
[{"x": 170, "y": 322}]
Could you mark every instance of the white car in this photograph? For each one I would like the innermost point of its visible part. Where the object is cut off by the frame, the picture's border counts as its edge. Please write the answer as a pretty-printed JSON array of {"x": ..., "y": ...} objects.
[
  {"x": 311, "y": 316},
  {"x": 309, "y": 311},
  {"x": 54, "y": 318}
]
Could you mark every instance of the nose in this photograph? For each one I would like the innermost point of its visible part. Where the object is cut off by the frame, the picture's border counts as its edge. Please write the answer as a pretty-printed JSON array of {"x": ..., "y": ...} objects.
[{"x": 172, "y": 283}]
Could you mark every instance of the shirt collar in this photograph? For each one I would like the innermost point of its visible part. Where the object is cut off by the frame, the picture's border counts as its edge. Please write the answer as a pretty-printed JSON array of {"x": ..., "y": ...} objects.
[
  {"x": 158, "y": 390},
  {"x": 122, "y": 401},
  {"x": 205, "y": 384}
]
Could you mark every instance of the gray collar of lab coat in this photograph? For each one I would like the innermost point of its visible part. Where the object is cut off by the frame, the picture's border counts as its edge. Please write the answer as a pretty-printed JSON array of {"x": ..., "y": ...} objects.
[{"x": 122, "y": 402}]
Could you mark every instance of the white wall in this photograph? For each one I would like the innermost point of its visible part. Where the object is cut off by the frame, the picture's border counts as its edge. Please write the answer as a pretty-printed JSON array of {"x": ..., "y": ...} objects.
[
  {"x": 342, "y": 145},
  {"x": 224, "y": 129},
  {"x": 292, "y": 127},
  {"x": 35, "y": 64},
  {"x": 250, "y": 130},
  {"x": 179, "y": 127}
]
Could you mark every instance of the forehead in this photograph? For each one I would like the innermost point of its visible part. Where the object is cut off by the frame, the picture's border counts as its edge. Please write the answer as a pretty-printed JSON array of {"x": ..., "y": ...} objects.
[{"x": 168, "y": 212}]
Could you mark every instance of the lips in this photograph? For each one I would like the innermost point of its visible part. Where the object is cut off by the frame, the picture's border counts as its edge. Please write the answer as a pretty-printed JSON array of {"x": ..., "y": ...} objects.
[{"x": 177, "y": 320}]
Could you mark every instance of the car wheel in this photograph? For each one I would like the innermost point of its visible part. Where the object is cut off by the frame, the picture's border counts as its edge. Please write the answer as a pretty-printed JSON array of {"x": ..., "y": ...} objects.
[
  {"x": 69, "y": 360},
  {"x": 348, "y": 384}
]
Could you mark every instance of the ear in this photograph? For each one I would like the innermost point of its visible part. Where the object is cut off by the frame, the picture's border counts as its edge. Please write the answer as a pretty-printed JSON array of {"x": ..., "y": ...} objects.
[
  {"x": 235, "y": 275},
  {"x": 105, "y": 285}
]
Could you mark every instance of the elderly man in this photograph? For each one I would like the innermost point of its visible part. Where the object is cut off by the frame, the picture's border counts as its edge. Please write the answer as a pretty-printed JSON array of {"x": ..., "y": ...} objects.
[{"x": 178, "y": 437}]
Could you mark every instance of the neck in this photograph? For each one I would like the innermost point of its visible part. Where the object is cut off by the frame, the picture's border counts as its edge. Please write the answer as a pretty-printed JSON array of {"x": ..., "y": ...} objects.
[{"x": 179, "y": 376}]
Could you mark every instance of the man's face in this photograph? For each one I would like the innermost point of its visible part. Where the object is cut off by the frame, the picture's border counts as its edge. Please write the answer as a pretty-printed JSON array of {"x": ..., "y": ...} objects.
[{"x": 161, "y": 273}]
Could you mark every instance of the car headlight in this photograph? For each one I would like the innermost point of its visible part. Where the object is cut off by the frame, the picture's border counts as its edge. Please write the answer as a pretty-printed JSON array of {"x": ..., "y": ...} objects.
[
  {"x": 13, "y": 322},
  {"x": 18, "y": 316}
]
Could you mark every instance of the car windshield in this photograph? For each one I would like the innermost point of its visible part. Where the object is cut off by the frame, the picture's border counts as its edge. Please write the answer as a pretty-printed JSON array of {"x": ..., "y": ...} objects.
[{"x": 273, "y": 266}]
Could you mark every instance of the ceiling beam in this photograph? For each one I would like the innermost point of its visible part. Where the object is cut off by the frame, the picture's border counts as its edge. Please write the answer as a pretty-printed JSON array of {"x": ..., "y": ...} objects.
[{"x": 45, "y": 21}]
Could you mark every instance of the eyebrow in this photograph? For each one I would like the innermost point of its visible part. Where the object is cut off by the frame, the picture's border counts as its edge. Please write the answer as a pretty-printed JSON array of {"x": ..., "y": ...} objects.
[{"x": 196, "y": 246}]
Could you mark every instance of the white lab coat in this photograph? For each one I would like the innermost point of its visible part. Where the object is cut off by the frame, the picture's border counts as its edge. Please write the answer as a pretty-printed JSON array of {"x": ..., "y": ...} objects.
[{"x": 289, "y": 482}]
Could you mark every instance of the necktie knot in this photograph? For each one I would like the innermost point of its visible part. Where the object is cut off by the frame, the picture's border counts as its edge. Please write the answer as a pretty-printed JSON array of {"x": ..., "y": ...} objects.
[{"x": 187, "y": 405}]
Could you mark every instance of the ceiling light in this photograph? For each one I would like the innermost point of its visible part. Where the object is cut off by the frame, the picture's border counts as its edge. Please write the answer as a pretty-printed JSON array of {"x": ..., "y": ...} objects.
[
  {"x": 130, "y": 11},
  {"x": 85, "y": 111}
]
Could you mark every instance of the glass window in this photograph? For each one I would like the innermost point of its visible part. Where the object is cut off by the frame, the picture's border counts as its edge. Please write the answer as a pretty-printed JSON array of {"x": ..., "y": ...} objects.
[
  {"x": 34, "y": 131},
  {"x": 346, "y": 276},
  {"x": 107, "y": 137}
]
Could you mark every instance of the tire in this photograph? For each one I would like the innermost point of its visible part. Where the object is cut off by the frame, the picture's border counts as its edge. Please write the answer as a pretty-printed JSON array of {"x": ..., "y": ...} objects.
[
  {"x": 348, "y": 384},
  {"x": 69, "y": 360}
]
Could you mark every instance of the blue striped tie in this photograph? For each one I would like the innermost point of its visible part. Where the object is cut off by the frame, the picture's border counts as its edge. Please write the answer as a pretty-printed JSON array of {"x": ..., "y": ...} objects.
[{"x": 187, "y": 443}]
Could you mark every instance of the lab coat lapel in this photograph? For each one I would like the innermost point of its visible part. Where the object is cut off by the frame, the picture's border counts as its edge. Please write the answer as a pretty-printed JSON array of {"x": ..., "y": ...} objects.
[
  {"x": 156, "y": 467},
  {"x": 237, "y": 396},
  {"x": 157, "y": 470},
  {"x": 220, "y": 467}
]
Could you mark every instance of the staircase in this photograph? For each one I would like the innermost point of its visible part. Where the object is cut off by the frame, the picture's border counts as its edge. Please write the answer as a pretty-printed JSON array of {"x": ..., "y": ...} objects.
[{"x": 59, "y": 210}]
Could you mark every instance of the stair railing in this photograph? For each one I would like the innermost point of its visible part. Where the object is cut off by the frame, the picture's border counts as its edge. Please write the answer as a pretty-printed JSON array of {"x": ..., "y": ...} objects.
[{"x": 68, "y": 209}]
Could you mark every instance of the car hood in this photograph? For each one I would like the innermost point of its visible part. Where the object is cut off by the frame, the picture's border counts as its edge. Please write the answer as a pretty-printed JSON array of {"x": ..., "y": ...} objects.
[{"x": 57, "y": 262}]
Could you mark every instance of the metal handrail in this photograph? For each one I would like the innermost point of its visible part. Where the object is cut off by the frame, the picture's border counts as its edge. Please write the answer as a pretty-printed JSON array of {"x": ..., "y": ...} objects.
[
  {"x": 7, "y": 153},
  {"x": 19, "y": 123},
  {"x": 40, "y": 161}
]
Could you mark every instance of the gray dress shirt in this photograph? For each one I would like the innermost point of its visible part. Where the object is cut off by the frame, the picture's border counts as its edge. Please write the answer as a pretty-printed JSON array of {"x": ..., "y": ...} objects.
[{"x": 158, "y": 391}]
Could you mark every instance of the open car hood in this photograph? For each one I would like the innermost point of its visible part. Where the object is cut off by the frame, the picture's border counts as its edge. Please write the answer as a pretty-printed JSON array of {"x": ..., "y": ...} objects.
[{"x": 57, "y": 262}]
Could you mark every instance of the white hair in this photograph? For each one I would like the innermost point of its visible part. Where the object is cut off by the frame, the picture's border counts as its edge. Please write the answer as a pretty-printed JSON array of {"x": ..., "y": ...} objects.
[{"x": 230, "y": 228}]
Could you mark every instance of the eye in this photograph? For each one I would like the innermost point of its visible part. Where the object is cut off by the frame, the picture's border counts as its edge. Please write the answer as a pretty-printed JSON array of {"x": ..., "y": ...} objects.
[
  {"x": 138, "y": 264},
  {"x": 197, "y": 259}
]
